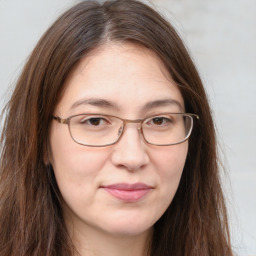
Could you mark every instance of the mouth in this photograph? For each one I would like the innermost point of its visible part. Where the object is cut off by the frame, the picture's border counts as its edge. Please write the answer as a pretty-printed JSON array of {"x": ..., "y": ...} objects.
[{"x": 128, "y": 192}]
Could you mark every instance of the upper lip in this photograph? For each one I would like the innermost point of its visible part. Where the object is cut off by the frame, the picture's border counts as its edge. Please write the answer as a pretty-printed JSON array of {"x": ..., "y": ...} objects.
[{"x": 128, "y": 187}]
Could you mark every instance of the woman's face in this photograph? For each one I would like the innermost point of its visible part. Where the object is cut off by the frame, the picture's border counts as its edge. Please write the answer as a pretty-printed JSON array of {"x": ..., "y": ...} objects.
[{"x": 122, "y": 189}]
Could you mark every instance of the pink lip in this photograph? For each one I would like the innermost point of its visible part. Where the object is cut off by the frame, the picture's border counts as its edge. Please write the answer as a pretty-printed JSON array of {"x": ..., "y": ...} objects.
[{"x": 128, "y": 192}]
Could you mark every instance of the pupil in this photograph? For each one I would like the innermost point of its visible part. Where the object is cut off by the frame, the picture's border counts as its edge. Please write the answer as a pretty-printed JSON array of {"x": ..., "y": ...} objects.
[
  {"x": 95, "y": 121},
  {"x": 158, "y": 120}
]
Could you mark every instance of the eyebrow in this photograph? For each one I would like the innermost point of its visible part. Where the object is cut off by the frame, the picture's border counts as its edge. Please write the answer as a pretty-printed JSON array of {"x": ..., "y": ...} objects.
[
  {"x": 162, "y": 103},
  {"x": 95, "y": 102},
  {"x": 111, "y": 105}
]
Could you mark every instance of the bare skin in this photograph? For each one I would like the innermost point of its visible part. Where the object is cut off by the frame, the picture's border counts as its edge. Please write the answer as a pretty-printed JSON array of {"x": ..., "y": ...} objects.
[{"x": 130, "y": 82}]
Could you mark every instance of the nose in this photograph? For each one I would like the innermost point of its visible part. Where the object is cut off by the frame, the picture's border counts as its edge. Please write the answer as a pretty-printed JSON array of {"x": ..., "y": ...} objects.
[{"x": 130, "y": 152}]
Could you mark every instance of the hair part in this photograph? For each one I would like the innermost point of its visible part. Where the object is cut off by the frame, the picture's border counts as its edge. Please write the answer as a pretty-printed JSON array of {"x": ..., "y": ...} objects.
[{"x": 31, "y": 217}]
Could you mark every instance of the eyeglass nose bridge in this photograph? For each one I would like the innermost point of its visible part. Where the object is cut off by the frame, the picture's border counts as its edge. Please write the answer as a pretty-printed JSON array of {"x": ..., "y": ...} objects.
[{"x": 127, "y": 121}]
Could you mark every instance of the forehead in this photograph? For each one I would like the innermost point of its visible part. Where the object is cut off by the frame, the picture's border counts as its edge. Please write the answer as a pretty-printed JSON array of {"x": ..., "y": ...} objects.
[{"x": 128, "y": 75}]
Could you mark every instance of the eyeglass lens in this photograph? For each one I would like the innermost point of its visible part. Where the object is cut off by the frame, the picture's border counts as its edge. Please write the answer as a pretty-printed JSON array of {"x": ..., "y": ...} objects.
[{"x": 100, "y": 130}]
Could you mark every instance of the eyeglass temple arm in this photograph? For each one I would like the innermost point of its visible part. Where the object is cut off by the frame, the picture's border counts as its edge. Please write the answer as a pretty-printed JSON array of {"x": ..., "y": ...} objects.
[{"x": 60, "y": 120}]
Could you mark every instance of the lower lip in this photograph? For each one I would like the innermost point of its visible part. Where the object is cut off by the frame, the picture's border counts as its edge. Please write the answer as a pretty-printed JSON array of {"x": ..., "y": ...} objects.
[{"x": 128, "y": 195}]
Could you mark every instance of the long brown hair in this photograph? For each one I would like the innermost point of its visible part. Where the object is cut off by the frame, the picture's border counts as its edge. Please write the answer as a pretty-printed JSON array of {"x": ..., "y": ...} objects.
[{"x": 31, "y": 218}]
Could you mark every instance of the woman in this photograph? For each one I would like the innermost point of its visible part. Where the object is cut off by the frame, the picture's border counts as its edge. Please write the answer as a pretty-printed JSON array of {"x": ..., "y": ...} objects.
[{"x": 108, "y": 146}]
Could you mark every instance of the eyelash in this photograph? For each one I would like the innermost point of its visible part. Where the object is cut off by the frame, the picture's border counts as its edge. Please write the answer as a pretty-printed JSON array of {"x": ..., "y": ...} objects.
[
  {"x": 89, "y": 119},
  {"x": 164, "y": 119}
]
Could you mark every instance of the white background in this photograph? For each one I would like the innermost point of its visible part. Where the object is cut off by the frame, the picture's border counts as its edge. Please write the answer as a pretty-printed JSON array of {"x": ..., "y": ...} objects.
[{"x": 221, "y": 36}]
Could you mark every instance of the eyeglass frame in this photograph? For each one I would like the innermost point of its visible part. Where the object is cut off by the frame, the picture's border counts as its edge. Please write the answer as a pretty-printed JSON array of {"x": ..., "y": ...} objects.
[{"x": 125, "y": 121}]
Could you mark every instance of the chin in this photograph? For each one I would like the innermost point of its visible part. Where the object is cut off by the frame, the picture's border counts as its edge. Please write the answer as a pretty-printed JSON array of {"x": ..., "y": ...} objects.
[{"x": 128, "y": 228}]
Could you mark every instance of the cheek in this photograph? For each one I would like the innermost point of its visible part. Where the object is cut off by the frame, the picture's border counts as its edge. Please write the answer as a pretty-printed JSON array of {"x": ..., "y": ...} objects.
[
  {"x": 169, "y": 163},
  {"x": 70, "y": 158},
  {"x": 170, "y": 160},
  {"x": 75, "y": 167}
]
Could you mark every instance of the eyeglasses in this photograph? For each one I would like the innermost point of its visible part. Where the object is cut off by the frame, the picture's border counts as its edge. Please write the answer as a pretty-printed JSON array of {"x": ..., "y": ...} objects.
[{"x": 97, "y": 130}]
